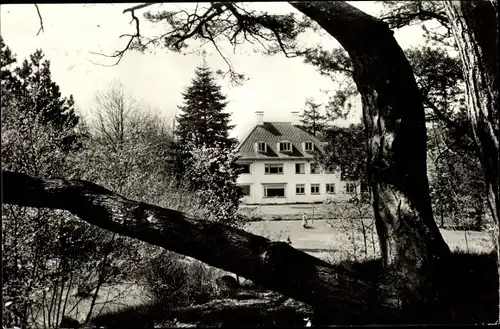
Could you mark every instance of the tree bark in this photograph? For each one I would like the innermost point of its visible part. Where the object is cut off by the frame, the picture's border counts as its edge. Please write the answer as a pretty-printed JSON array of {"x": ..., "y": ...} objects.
[
  {"x": 474, "y": 25},
  {"x": 275, "y": 265},
  {"x": 396, "y": 138}
]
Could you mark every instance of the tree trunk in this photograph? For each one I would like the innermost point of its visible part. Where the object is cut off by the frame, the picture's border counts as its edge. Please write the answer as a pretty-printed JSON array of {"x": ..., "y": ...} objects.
[
  {"x": 396, "y": 138},
  {"x": 474, "y": 25},
  {"x": 275, "y": 265}
]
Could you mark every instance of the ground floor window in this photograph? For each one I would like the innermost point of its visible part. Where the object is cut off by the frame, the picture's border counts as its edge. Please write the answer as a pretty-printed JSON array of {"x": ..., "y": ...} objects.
[
  {"x": 274, "y": 190},
  {"x": 300, "y": 189},
  {"x": 245, "y": 190},
  {"x": 330, "y": 188},
  {"x": 314, "y": 188}
]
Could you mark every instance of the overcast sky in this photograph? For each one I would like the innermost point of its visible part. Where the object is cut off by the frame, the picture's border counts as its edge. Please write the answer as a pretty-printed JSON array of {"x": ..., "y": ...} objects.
[{"x": 276, "y": 85}]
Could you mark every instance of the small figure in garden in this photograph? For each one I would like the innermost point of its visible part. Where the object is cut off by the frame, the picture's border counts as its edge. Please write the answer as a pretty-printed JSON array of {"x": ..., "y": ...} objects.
[
  {"x": 288, "y": 240},
  {"x": 304, "y": 220}
]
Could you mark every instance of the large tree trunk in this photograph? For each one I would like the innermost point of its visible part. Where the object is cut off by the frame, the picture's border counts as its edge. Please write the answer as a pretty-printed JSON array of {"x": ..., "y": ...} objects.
[
  {"x": 275, "y": 265},
  {"x": 474, "y": 25},
  {"x": 396, "y": 138}
]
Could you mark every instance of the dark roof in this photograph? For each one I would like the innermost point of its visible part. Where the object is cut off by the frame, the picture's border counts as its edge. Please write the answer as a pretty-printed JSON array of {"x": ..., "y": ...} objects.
[{"x": 272, "y": 133}]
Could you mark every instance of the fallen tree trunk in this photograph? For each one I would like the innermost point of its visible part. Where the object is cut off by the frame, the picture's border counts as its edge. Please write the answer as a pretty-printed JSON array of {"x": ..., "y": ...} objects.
[{"x": 274, "y": 265}]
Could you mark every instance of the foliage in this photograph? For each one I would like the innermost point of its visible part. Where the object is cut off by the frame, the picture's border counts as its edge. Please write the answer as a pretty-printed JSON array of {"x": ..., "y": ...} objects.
[
  {"x": 336, "y": 65},
  {"x": 45, "y": 252},
  {"x": 354, "y": 217},
  {"x": 8, "y": 81},
  {"x": 30, "y": 86},
  {"x": 174, "y": 281},
  {"x": 457, "y": 185},
  {"x": 205, "y": 155},
  {"x": 346, "y": 150},
  {"x": 454, "y": 170},
  {"x": 312, "y": 120},
  {"x": 223, "y": 22},
  {"x": 212, "y": 174},
  {"x": 408, "y": 13},
  {"x": 203, "y": 120}
]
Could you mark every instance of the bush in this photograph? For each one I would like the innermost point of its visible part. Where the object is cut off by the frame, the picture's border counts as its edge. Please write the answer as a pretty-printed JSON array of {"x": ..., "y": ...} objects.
[{"x": 174, "y": 281}]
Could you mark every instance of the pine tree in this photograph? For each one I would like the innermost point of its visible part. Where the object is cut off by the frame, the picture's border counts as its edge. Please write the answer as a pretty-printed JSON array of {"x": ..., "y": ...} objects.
[
  {"x": 203, "y": 121},
  {"x": 8, "y": 82},
  {"x": 311, "y": 119},
  {"x": 29, "y": 88},
  {"x": 42, "y": 95}
]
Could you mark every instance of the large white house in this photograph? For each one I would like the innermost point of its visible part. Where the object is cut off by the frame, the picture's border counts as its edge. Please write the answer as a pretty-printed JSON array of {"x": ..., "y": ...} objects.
[{"x": 278, "y": 166}]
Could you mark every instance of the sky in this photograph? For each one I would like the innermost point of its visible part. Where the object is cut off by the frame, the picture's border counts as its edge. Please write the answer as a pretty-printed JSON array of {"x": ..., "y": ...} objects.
[{"x": 276, "y": 85}]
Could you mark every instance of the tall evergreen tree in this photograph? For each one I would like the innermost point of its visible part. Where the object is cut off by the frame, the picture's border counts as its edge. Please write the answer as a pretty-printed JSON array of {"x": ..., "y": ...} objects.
[
  {"x": 203, "y": 121},
  {"x": 42, "y": 95},
  {"x": 8, "y": 82},
  {"x": 29, "y": 87},
  {"x": 312, "y": 120}
]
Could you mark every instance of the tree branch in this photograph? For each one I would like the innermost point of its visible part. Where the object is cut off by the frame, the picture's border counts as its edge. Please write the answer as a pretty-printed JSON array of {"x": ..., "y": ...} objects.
[
  {"x": 274, "y": 265},
  {"x": 40, "y": 18},
  {"x": 119, "y": 53},
  {"x": 450, "y": 123}
]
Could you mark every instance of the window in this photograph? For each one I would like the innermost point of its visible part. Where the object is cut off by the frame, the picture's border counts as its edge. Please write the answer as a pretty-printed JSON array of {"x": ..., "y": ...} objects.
[
  {"x": 274, "y": 191},
  {"x": 314, "y": 188},
  {"x": 364, "y": 187},
  {"x": 300, "y": 168},
  {"x": 330, "y": 188},
  {"x": 350, "y": 188},
  {"x": 308, "y": 146},
  {"x": 300, "y": 189},
  {"x": 261, "y": 147},
  {"x": 314, "y": 168},
  {"x": 274, "y": 168},
  {"x": 245, "y": 168},
  {"x": 285, "y": 147},
  {"x": 245, "y": 190}
]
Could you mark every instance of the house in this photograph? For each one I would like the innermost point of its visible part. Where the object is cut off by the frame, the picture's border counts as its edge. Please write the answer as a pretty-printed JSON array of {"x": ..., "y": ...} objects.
[{"x": 278, "y": 166}]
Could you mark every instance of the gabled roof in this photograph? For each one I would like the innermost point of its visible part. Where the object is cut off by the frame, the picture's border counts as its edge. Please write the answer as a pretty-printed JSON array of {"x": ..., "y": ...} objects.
[{"x": 272, "y": 133}]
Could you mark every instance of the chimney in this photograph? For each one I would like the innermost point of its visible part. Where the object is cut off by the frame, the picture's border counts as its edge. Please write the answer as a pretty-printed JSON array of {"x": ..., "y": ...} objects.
[
  {"x": 259, "y": 118},
  {"x": 295, "y": 118}
]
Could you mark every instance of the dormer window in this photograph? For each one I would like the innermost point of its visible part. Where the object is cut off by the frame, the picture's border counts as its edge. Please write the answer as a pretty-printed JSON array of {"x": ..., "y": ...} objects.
[
  {"x": 308, "y": 146},
  {"x": 285, "y": 147},
  {"x": 261, "y": 147}
]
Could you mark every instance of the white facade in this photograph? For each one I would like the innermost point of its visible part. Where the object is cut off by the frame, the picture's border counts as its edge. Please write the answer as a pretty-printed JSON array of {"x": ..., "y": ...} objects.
[{"x": 287, "y": 186}]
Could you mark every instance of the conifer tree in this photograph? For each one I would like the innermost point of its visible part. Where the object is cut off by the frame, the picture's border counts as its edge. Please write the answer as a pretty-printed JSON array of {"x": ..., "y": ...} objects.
[
  {"x": 42, "y": 95},
  {"x": 29, "y": 88},
  {"x": 203, "y": 120},
  {"x": 312, "y": 120}
]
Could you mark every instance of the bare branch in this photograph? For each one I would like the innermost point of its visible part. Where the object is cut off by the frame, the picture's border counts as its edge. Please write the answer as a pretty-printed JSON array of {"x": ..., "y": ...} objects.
[
  {"x": 139, "y": 7},
  {"x": 40, "y": 18},
  {"x": 119, "y": 54}
]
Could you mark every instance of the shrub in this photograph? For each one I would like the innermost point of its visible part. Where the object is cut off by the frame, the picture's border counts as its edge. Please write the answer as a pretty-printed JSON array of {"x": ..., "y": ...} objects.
[{"x": 174, "y": 281}]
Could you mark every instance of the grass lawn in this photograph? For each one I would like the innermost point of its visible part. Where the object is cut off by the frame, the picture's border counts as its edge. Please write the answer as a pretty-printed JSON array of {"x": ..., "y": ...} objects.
[{"x": 324, "y": 239}]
